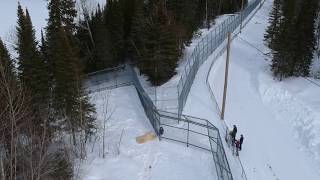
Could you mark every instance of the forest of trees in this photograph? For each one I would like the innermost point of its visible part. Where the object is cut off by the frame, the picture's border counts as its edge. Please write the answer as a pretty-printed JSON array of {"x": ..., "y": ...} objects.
[
  {"x": 291, "y": 37},
  {"x": 46, "y": 117},
  {"x": 42, "y": 99},
  {"x": 151, "y": 34}
]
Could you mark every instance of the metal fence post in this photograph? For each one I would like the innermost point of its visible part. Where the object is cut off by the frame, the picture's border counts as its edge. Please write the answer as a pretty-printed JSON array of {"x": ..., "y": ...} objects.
[{"x": 188, "y": 135}]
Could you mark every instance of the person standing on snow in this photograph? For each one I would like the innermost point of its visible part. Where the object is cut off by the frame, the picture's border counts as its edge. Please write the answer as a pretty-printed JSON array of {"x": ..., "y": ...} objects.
[
  {"x": 237, "y": 147},
  {"x": 241, "y": 141},
  {"x": 233, "y": 134}
]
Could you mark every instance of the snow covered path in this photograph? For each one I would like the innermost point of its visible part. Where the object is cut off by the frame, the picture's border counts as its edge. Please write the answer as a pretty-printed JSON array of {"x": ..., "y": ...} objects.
[{"x": 278, "y": 144}]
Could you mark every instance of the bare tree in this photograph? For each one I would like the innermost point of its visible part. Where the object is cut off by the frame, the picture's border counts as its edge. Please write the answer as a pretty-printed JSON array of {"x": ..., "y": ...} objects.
[
  {"x": 83, "y": 8},
  {"x": 15, "y": 110},
  {"x": 107, "y": 114}
]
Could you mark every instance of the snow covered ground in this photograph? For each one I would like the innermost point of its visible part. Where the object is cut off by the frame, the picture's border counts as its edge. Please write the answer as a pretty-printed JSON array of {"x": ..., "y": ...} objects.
[
  {"x": 280, "y": 120},
  {"x": 153, "y": 160},
  {"x": 165, "y": 97}
]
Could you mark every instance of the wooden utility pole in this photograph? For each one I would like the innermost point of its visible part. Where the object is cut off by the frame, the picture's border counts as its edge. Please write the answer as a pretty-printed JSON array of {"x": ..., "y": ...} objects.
[
  {"x": 241, "y": 15},
  {"x": 226, "y": 77}
]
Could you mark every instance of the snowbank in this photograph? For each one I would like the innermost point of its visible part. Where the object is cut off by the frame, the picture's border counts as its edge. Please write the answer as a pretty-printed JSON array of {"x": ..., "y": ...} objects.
[{"x": 304, "y": 119}]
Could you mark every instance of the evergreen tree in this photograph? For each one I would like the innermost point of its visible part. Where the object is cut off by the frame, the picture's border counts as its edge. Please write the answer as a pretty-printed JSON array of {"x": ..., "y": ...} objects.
[
  {"x": 24, "y": 58},
  {"x": 103, "y": 58},
  {"x": 114, "y": 20},
  {"x": 40, "y": 76},
  {"x": 159, "y": 60},
  {"x": 282, "y": 44},
  {"x": 274, "y": 24},
  {"x": 306, "y": 40},
  {"x": 68, "y": 14},
  {"x": 137, "y": 37},
  {"x": 32, "y": 72},
  {"x": 5, "y": 61},
  {"x": 65, "y": 71},
  {"x": 183, "y": 20},
  {"x": 292, "y": 40},
  {"x": 137, "y": 29}
]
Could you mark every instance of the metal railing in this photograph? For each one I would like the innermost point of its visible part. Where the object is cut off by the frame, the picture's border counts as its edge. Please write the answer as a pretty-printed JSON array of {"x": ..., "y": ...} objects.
[
  {"x": 205, "y": 48},
  {"x": 247, "y": 12},
  {"x": 147, "y": 104},
  {"x": 175, "y": 130},
  {"x": 199, "y": 133},
  {"x": 184, "y": 128},
  {"x": 106, "y": 79}
]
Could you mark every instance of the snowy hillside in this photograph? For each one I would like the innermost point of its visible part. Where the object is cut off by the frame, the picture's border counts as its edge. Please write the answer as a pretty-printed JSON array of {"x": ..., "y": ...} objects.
[
  {"x": 156, "y": 160},
  {"x": 280, "y": 120}
]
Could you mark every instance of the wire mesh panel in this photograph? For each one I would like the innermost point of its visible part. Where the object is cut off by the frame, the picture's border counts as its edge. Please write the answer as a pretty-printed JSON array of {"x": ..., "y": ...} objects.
[
  {"x": 219, "y": 156},
  {"x": 189, "y": 130},
  {"x": 107, "y": 79},
  {"x": 190, "y": 133},
  {"x": 198, "y": 133},
  {"x": 148, "y": 106}
]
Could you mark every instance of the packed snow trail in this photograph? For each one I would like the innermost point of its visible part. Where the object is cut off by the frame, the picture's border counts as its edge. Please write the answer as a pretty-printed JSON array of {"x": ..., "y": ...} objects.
[{"x": 271, "y": 150}]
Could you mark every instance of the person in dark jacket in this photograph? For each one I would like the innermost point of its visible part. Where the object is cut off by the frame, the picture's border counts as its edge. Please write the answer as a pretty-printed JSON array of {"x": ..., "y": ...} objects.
[
  {"x": 241, "y": 141},
  {"x": 161, "y": 131},
  {"x": 237, "y": 147},
  {"x": 233, "y": 134}
]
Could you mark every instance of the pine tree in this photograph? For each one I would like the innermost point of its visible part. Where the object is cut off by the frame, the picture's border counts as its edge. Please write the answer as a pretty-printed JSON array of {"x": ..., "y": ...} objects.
[
  {"x": 32, "y": 72},
  {"x": 5, "y": 61},
  {"x": 24, "y": 60},
  {"x": 293, "y": 40},
  {"x": 40, "y": 76},
  {"x": 306, "y": 40},
  {"x": 183, "y": 19},
  {"x": 274, "y": 24},
  {"x": 65, "y": 71},
  {"x": 136, "y": 29},
  {"x": 60, "y": 58},
  {"x": 68, "y": 14},
  {"x": 137, "y": 37},
  {"x": 159, "y": 60},
  {"x": 103, "y": 58},
  {"x": 114, "y": 20}
]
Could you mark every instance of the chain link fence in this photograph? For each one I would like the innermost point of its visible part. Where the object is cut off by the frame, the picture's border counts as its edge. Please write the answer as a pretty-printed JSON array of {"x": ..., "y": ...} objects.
[
  {"x": 189, "y": 130},
  {"x": 205, "y": 48},
  {"x": 251, "y": 9},
  {"x": 149, "y": 108},
  {"x": 107, "y": 79},
  {"x": 199, "y": 133}
]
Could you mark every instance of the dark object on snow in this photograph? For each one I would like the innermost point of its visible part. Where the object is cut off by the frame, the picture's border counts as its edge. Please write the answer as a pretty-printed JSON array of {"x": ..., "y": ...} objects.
[
  {"x": 241, "y": 141},
  {"x": 161, "y": 131},
  {"x": 233, "y": 134},
  {"x": 237, "y": 147}
]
